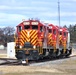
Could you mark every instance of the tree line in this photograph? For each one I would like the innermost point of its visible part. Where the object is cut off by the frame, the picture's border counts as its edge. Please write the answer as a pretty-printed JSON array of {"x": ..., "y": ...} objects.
[
  {"x": 7, "y": 34},
  {"x": 72, "y": 30}
]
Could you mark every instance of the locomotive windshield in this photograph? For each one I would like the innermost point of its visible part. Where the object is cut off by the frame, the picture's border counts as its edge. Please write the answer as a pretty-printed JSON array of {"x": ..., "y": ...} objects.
[
  {"x": 50, "y": 31},
  {"x": 35, "y": 27},
  {"x": 60, "y": 33},
  {"x": 27, "y": 27},
  {"x": 64, "y": 33}
]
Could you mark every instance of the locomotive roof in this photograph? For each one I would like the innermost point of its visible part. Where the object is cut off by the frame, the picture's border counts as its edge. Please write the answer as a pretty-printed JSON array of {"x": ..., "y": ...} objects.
[
  {"x": 30, "y": 22},
  {"x": 54, "y": 26},
  {"x": 64, "y": 29}
]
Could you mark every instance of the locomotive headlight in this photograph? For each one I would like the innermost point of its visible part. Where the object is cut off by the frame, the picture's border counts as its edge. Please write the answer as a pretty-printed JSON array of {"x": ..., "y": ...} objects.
[
  {"x": 41, "y": 34},
  {"x": 34, "y": 47},
  {"x": 55, "y": 35},
  {"x": 20, "y": 46},
  {"x": 64, "y": 38},
  {"x": 60, "y": 29}
]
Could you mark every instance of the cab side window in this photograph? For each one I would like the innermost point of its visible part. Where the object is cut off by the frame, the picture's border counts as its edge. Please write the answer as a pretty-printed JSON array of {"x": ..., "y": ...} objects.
[
  {"x": 54, "y": 31},
  {"x": 41, "y": 28},
  {"x": 19, "y": 28}
]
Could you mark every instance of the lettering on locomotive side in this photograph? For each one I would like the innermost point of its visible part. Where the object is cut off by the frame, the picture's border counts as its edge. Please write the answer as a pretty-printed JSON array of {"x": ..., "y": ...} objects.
[
  {"x": 26, "y": 23},
  {"x": 50, "y": 27}
]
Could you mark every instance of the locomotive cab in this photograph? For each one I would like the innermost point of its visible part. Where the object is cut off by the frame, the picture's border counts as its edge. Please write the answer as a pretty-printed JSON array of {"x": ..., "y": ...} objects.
[
  {"x": 53, "y": 36},
  {"x": 52, "y": 41},
  {"x": 26, "y": 29},
  {"x": 63, "y": 36},
  {"x": 64, "y": 42}
]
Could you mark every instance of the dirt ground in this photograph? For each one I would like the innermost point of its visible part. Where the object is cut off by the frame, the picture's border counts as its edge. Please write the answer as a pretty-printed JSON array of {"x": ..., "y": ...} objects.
[{"x": 67, "y": 67}]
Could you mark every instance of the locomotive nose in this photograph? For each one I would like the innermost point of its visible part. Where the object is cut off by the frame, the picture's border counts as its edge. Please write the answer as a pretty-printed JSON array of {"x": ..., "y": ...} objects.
[{"x": 28, "y": 33}]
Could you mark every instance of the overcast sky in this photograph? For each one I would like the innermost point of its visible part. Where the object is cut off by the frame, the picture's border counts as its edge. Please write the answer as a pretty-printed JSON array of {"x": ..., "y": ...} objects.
[{"x": 13, "y": 11}]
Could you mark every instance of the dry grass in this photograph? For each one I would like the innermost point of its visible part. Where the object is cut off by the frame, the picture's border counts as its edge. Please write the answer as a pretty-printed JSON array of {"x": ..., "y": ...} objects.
[
  {"x": 68, "y": 67},
  {"x": 28, "y": 69}
]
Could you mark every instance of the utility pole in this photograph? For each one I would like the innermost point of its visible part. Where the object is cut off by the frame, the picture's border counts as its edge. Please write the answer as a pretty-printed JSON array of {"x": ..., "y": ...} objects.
[{"x": 59, "y": 12}]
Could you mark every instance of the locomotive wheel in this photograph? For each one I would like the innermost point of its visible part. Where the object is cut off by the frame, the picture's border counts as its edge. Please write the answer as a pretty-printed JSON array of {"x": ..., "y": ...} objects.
[{"x": 68, "y": 52}]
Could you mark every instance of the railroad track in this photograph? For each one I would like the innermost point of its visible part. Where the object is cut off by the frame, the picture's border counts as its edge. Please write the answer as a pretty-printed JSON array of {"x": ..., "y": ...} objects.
[{"x": 15, "y": 62}]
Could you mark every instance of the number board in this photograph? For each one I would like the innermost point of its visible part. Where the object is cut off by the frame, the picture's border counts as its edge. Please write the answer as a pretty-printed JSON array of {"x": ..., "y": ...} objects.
[
  {"x": 50, "y": 27},
  {"x": 26, "y": 23},
  {"x": 34, "y": 23}
]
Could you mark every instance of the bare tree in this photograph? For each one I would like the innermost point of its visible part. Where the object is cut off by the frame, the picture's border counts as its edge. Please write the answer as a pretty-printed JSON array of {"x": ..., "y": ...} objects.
[
  {"x": 1, "y": 34},
  {"x": 8, "y": 30},
  {"x": 7, "y": 35}
]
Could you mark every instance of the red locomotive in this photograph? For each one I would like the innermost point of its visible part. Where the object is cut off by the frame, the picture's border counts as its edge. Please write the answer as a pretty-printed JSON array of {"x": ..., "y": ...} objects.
[{"x": 35, "y": 40}]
